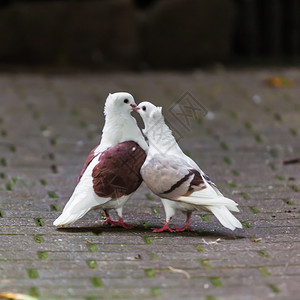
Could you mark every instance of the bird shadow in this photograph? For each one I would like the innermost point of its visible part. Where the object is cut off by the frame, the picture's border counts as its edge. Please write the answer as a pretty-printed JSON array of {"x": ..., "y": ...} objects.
[{"x": 99, "y": 230}]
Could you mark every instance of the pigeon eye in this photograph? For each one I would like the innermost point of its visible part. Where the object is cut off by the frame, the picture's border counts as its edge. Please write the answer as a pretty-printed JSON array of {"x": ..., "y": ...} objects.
[
  {"x": 144, "y": 108},
  {"x": 126, "y": 101}
]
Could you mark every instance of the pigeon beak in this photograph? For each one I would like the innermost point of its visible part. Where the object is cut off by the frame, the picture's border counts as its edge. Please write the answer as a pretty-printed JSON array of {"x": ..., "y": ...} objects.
[{"x": 134, "y": 107}]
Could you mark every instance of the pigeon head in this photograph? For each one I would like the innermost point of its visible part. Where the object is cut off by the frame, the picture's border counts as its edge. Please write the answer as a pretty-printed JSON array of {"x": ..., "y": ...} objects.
[
  {"x": 149, "y": 112},
  {"x": 119, "y": 104},
  {"x": 156, "y": 130},
  {"x": 152, "y": 117}
]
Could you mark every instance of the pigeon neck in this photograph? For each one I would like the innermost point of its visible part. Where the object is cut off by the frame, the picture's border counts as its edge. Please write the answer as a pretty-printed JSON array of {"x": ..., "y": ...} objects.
[
  {"x": 160, "y": 137},
  {"x": 119, "y": 129}
]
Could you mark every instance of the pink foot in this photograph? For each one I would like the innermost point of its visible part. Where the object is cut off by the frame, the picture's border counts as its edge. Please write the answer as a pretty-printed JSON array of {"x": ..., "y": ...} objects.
[
  {"x": 164, "y": 228},
  {"x": 120, "y": 223},
  {"x": 123, "y": 224},
  {"x": 109, "y": 221},
  {"x": 187, "y": 223},
  {"x": 186, "y": 227}
]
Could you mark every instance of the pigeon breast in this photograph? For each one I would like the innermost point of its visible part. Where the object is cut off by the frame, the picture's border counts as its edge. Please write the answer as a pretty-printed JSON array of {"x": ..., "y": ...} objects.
[{"x": 118, "y": 171}]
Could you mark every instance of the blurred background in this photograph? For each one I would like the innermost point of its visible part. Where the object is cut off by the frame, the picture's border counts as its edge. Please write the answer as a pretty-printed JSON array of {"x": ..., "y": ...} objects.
[{"x": 148, "y": 34}]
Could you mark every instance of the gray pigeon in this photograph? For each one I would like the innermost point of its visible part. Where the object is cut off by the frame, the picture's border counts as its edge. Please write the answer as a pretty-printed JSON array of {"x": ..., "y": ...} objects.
[{"x": 176, "y": 178}]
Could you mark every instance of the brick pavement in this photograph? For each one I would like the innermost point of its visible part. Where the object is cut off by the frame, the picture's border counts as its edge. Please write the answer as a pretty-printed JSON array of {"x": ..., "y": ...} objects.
[{"x": 49, "y": 123}]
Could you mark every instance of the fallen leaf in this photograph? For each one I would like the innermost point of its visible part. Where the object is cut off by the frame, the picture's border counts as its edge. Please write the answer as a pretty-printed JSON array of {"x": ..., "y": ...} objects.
[
  {"x": 256, "y": 240},
  {"x": 277, "y": 81},
  {"x": 16, "y": 296}
]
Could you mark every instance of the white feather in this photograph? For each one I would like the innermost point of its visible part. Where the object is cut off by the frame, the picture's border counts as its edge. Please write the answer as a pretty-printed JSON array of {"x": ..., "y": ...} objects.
[
  {"x": 226, "y": 218},
  {"x": 82, "y": 200},
  {"x": 200, "y": 200},
  {"x": 209, "y": 196}
]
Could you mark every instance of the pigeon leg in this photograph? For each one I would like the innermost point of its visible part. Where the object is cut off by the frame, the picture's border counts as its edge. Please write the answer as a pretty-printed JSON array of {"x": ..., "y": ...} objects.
[
  {"x": 164, "y": 228},
  {"x": 108, "y": 220},
  {"x": 187, "y": 223}
]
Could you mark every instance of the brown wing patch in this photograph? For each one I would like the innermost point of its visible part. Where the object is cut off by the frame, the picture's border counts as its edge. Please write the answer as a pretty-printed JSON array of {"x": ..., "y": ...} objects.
[
  {"x": 118, "y": 171},
  {"x": 90, "y": 157},
  {"x": 196, "y": 182}
]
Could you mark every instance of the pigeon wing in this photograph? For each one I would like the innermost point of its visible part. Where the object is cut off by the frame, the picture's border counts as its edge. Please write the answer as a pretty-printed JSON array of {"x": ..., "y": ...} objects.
[
  {"x": 118, "y": 172},
  {"x": 111, "y": 174},
  {"x": 171, "y": 177},
  {"x": 205, "y": 176},
  {"x": 88, "y": 160}
]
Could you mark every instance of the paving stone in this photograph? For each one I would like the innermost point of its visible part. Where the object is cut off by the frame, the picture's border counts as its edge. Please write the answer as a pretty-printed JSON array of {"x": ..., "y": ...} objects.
[{"x": 48, "y": 124}]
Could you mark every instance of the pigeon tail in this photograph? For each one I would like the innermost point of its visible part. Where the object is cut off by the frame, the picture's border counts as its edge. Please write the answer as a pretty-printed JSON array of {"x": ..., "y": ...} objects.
[
  {"x": 201, "y": 198},
  {"x": 67, "y": 219},
  {"x": 220, "y": 206},
  {"x": 226, "y": 218},
  {"x": 79, "y": 204}
]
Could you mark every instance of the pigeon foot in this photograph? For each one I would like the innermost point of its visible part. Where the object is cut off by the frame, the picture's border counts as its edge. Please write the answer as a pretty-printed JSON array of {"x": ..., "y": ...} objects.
[
  {"x": 186, "y": 225},
  {"x": 120, "y": 223},
  {"x": 184, "y": 228},
  {"x": 166, "y": 227},
  {"x": 109, "y": 221}
]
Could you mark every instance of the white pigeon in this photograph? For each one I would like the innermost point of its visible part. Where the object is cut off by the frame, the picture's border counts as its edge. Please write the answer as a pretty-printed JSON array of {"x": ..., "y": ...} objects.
[
  {"x": 176, "y": 178},
  {"x": 112, "y": 170}
]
